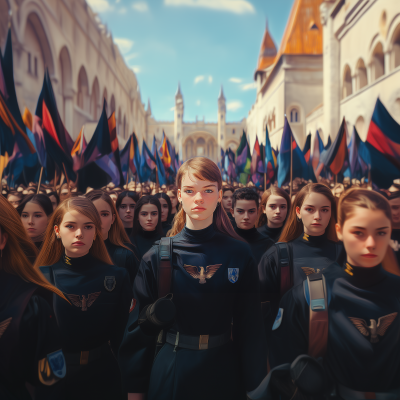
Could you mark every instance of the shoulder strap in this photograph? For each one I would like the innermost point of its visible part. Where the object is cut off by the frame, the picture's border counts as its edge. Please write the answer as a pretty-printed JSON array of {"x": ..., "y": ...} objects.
[
  {"x": 319, "y": 321},
  {"x": 48, "y": 274},
  {"x": 119, "y": 257},
  {"x": 285, "y": 266},
  {"x": 165, "y": 266}
]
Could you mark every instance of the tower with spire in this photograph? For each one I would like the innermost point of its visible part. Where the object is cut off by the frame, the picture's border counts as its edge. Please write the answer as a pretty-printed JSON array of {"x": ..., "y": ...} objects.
[
  {"x": 178, "y": 119},
  {"x": 221, "y": 120}
]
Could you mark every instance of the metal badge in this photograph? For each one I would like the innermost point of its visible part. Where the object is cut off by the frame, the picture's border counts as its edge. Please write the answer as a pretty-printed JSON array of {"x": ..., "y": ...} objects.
[
  {"x": 310, "y": 271},
  {"x": 109, "y": 283},
  {"x": 57, "y": 363},
  {"x": 278, "y": 319},
  {"x": 208, "y": 273},
  {"x": 85, "y": 302},
  {"x": 233, "y": 274}
]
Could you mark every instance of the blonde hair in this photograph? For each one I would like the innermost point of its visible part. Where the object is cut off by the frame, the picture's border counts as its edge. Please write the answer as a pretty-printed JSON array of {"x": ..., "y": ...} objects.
[
  {"x": 294, "y": 228},
  {"x": 18, "y": 248},
  {"x": 206, "y": 170},
  {"x": 53, "y": 249},
  {"x": 374, "y": 201}
]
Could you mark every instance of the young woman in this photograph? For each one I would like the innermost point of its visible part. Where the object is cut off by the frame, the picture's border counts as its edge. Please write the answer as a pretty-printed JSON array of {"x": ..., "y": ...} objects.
[
  {"x": 361, "y": 350},
  {"x": 75, "y": 258},
  {"x": 125, "y": 204},
  {"x": 173, "y": 196},
  {"x": 147, "y": 225},
  {"x": 274, "y": 207},
  {"x": 54, "y": 198},
  {"x": 15, "y": 198},
  {"x": 310, "y": 245},
  {"x": 227, "y": 194},
  {"x": 35, "y": 211},
  {"x": 29, "y": 336},
  {"x": 214, "y": 284},
  {"x": 166, "y": 207},
  {"x": 115, "y": 238}
]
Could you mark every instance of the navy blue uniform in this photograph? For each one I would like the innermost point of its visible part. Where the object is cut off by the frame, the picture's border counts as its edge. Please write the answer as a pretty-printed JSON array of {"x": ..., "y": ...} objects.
[
  {"x": 273, "y": 233},
  {"x": 207, "y": 304},
  {"x": 363, "y": 348},
  {"x": 92, "y": 326}
]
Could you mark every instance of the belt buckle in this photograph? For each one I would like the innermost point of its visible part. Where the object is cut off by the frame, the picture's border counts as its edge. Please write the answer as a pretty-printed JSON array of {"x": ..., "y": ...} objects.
[
  {"x": 203, "y": 342},
  {"x": 84, "y": 358}
]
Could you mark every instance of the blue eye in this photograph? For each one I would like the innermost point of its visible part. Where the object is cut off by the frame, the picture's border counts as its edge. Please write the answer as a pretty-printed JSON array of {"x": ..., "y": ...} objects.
[{"x": 189, "y": 191}]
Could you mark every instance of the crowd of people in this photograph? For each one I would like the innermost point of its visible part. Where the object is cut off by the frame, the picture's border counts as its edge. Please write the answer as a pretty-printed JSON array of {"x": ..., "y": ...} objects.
[{"x": 203, "y": 290}]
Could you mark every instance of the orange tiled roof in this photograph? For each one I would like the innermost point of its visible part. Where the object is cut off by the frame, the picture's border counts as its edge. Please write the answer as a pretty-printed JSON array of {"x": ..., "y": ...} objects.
[{"x": 267, "y": 52}]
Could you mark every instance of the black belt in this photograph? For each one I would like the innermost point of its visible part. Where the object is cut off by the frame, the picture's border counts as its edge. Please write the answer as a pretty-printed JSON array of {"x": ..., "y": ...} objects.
[
  {"x": 88, "y": 356},
  {"x": 202, "y": 342}
]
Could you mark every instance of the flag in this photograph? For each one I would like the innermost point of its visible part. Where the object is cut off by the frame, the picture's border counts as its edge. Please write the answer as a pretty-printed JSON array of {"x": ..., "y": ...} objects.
[
  {"x": 383, "y": 144},
  {"x": 130, "y": 158},
  {"x": 165, "y": 155},
  {"x": 270, "y": 159},
  {"x": 114, "y": 156},
  {"x": 318, "y": 149},
  {"x": 257, "y": 168},
  {"x": 230, "y": 165},
  {"x": 358, "y": 167},
  {"x": 243, "y": 160},
  {"x": 336, "y": 158},
  {"x": 147, "y": 163},
  {"x": 299, "y": 167},
  {"x": 154, "y": 147},
  {"x": 328, "y": 144},
  {"x": 308, "y": 158},
  {"x": 78, "y": 149},
  {"x": 162, "y": 179},
  {"x": 27, "y": 118}
]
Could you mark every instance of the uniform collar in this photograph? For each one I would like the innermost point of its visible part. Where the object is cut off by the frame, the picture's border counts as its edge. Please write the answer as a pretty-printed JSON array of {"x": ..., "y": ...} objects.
[
  {"x": 247, "y": 233},
  {"x": 313, "y": 240},
  {"x": 80, "y": 263},
  {"x": 198, "y": 236},
  {"x": 364, "y": 277}
]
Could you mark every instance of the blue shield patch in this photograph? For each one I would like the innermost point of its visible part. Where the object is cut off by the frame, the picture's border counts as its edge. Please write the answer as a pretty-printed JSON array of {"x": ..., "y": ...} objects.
[
  {"x": 233, "y": 274},
  {"x": 278, "y": 319},
  {"x": 57, "y": 363}
]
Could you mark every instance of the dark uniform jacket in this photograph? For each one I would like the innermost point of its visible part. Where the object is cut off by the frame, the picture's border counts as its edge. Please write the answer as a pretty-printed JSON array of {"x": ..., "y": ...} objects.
[
  {"x": 143, "y": 241},
  {"x": 273, "y": 233},
  {"x": 209, "y": 307}
]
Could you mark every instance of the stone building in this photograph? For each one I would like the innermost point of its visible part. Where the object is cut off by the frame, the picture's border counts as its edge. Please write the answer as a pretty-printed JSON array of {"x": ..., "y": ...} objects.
[{"x": 84, "y": 64}]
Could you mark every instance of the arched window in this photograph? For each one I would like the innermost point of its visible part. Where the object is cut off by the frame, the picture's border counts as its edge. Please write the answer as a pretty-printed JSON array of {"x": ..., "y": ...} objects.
[
  {"x": 378, "y": 62},
  {"x": 112, "y": 104},
  {"x": 361, "y": 74},
  {"x": 360, "y": 125},
  {"x": 200, "y": 147},
  {"x": 83, "y": 89},
  {"x": 189, "y": 149},
  {"x": 395, "y": 55},
  {"x": 347, "y": 88},
  {"x": 294, "y": 115},
  {"x": 94, "y": 99}
]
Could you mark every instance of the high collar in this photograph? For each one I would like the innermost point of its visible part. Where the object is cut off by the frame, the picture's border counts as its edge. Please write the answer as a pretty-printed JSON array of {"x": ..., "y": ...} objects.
[
  {"x": 364, "y": 277},
  {"x": 148, "y": 234},
  {"x": 79, "y": 263},
  {"x": 198, "y": 236},
  {"x": 247, "y": 233},
  {"x": 273, "y": 231},
  {"x": 315, "y": 241}
]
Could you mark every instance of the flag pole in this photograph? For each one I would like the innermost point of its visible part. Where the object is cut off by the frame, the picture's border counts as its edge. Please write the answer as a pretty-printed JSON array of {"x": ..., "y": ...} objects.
[
  {"x": 291, "y": 165},
  {"x": 65, "y": 172},
  {"x": 40, "y": 180},
  {"x": 127, "y": 178},
  {"x": 265, "y": 172},
  {"x": 369, "y": 178}
]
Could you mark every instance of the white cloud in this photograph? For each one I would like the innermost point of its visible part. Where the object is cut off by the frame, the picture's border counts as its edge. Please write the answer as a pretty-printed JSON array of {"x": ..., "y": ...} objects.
[
  {"x": 140, "y": 6},
  {"x": 172, "y": 109},
  {"x": 210, "y": 79},
  {"x": 235, "y": 80},
  {"x": 100, "y": 6},
  {"x": 234, "y": 6},
  {"x": 198, "y": 79},
  {"x": 198, "y": 102},
  {"x": 249, "y": 86},
  {"x": 136, "y": 69},
  {"x": 122, "y": 10},
  {"x": 234, "y": 105},
  {"x": 124, "y": 44},
  {"x": 131, "y": 56},
  {"x": 117, "y": 1}
]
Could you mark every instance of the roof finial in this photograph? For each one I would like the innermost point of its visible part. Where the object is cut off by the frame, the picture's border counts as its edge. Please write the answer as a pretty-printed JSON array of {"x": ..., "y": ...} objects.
[
  {"x": 178, "y": 92},
  {"x": 221, "y": 94}
]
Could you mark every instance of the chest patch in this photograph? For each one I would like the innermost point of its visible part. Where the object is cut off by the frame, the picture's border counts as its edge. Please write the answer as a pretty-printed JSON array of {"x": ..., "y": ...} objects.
[
  {"x": 374, "y": 330},
  {"x": 233, "y": 275},
  {"x": 310, "y": 271},
  {"x": 85, "y": 302},
  {"x": 203, "y": 274},
  {"x": 278, "y": 319},
  {"x": 57, "y": 363},
  {"x": 109, "y": 283}
]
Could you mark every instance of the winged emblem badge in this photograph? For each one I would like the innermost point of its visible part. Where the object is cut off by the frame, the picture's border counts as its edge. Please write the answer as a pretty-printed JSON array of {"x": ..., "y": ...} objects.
[
  {"x": 4, "y": 325},
  {"x": 310, "y": 271},
  {"x": 375, "y": 329},
  {"x": 204, "y": 274},
  {"x": 85, "y": 302}
]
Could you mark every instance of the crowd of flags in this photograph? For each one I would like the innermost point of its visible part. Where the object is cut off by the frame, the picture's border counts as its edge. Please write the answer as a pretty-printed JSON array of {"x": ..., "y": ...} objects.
[
  {"x": 31, "y": 145},
  {"x": 40, "y": 144}
]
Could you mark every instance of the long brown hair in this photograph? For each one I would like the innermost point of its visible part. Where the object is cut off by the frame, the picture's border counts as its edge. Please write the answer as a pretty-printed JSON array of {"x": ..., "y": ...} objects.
[
  {"x": 52, "y": 248},
  {"x": 276, "y": 191},
  {"x": 18, "y": 248},
  {"x": 374, "y": 201},
  {"x": 206, "y": 170},
  {"x": 294, "y": 228},
  {"x": 117, "y": 233}
]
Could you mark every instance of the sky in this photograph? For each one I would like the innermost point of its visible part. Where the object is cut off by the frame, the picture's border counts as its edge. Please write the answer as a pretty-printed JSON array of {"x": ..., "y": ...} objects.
[{"x": 202, "y": 44}]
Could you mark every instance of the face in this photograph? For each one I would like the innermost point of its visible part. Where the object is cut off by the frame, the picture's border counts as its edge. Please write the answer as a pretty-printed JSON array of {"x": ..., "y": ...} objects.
[
  {"x": 366, "y": 237},
  {"x": 126, "y": 211},
  {"x": 53, "y": 201},
  {"x": 199, "y": 198},
  {"x": 227, "y": 200},
  {"x": 164, "y": 209},
  {"x": 395, "y": 206},
  {"x": 34, "y": 219},
  {"x": 245, "y": 214},
  {"x": 338, "y": 191},
  {"x": 315, "y": 214},
  {"x": 275, "y": 210},
  {"x": 77, "y": 233},
  {"x": 106, "y": 215},
  {"x": 148, "y": 217},
  {"x": 14, "y": 200},
  {"x": 173, "y": 198}
]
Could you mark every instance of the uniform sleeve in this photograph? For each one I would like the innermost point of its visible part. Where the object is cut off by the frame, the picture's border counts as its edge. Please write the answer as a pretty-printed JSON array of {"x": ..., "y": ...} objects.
[
  {"x": 289, "y": 339},
  {"x": 122, "y": 312},
  {"x": 40, "y": 336},
  {"x": 269, "y": 275},
  {"x": 132, "y": 265},
  {"x": 248, "y": 329}
]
